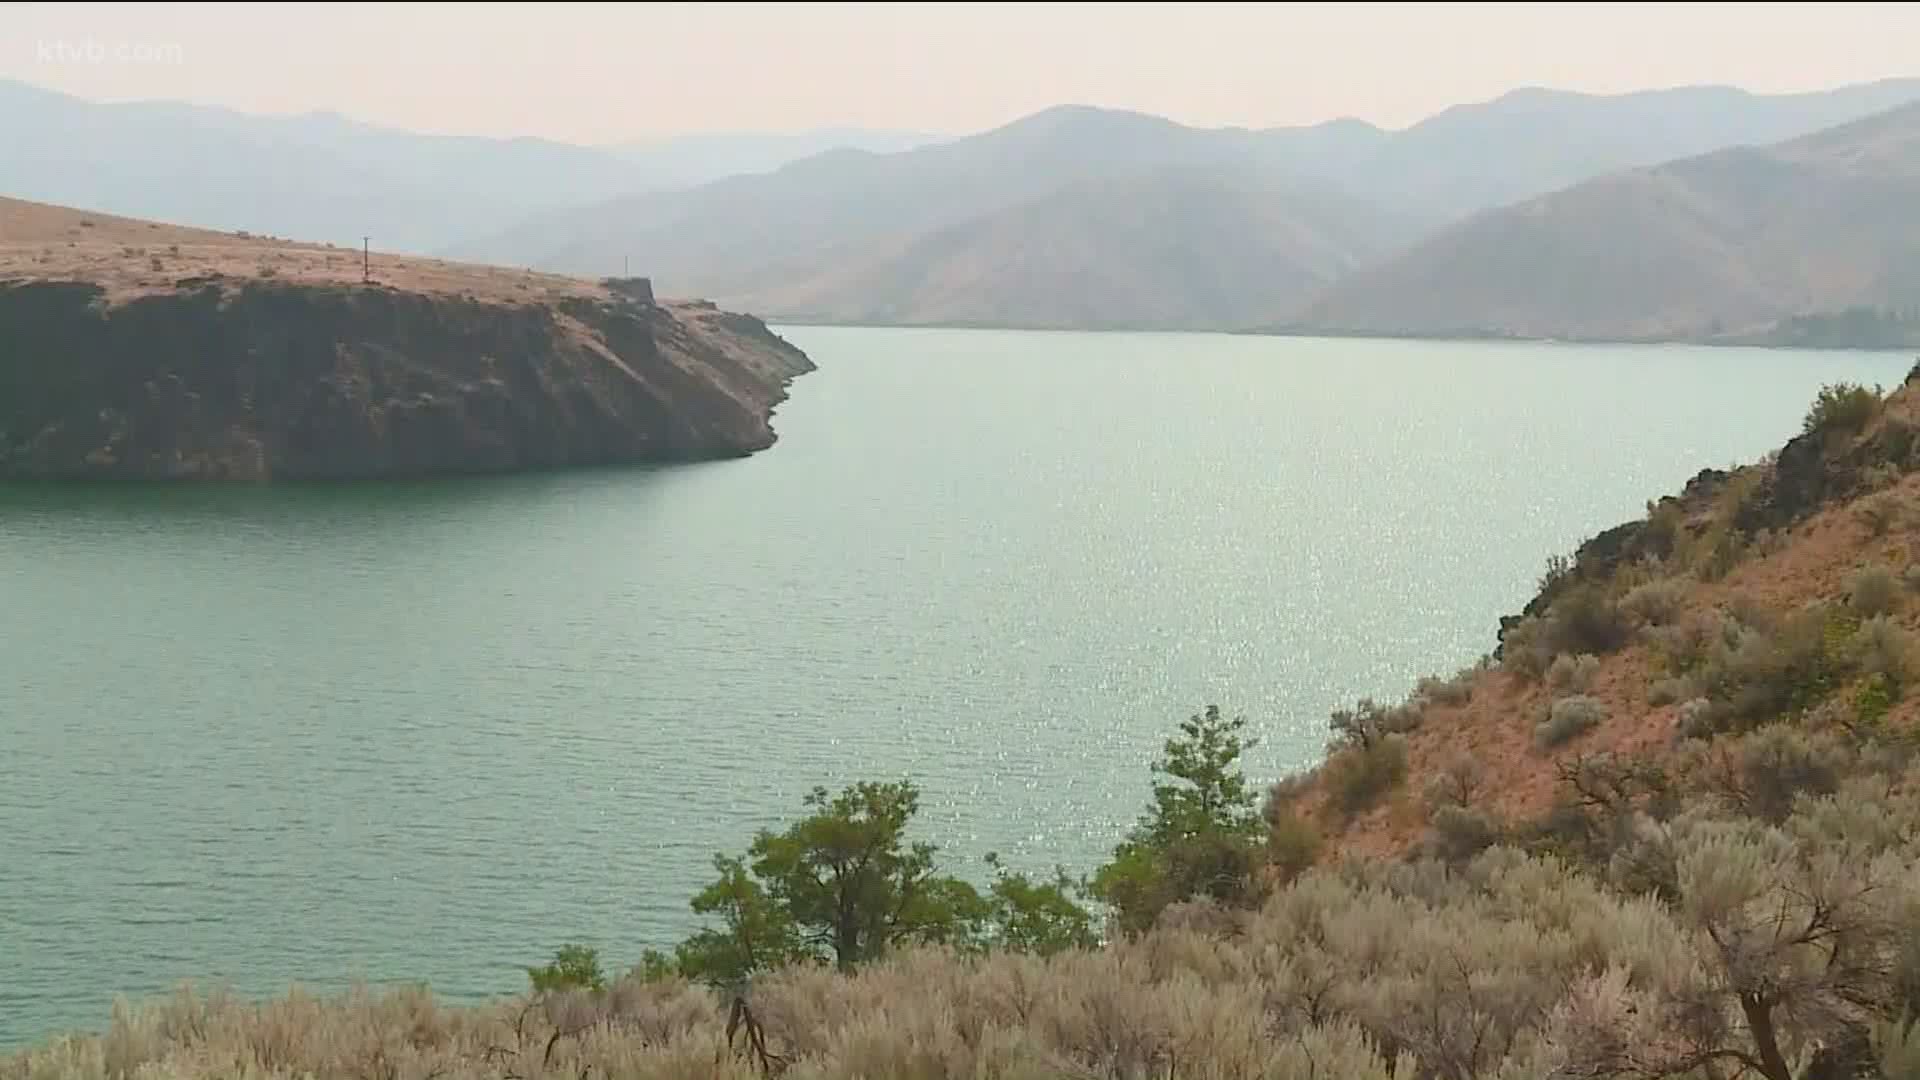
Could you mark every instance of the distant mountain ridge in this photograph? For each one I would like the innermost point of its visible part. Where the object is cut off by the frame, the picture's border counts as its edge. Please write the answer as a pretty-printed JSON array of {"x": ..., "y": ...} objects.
[
  {"x": 1745, "y": 244},
  {"x": 1073, "y": 217},
  {"x": 324, "y": 177},
  {"x": 926, "y": 236}
]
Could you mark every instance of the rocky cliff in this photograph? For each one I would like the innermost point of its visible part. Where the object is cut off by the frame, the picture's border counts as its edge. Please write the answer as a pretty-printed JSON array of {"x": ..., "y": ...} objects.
[{"x": 112, "y": 367}]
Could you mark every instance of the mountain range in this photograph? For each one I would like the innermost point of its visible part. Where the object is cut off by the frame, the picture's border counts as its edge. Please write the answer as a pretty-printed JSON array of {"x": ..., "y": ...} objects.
[
  {"x": 1090, "y": 218},
  {"x": 1738, "y": 244},
  {"x": 1699, "y": 212},
  {"x": 326, "y": 178}
]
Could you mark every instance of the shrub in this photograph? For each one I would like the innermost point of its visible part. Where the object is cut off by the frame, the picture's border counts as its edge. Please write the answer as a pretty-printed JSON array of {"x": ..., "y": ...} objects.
[
  {"x": 1880, "y": 476},
  {"x": 1357, "y": 776},
  {"x": 1284, "y": 792},
  {"x": 1559, "y": 571},
  {"x": 1873, "y": 701},
  {"x": 1671, "y": 690},
  {"x": 1655, "y": 603},
  {"x": 1367, "y": 722},
  {"x": 1452, "y": 692},
  {"x": 1872, "y": 591},
  {"x": 1754, "y": 674},
  {"x": 1456, "y": 783},
  {"x": 1696, "y": 719},
  {"x": 1879, "y": 514},
  {"x": 1572, "y": 674},
  {"x": 1527, "y": 648},
  {"x": 1661, "y": 534},
  {"x": 1684, "y": 645},
  {"x": 1293, "y": 844},
  {"x": 1841, "y": 408},
  {"x": 1762, "y": 773},
  {"x": 1569, "y": 717},
  {"x": 574, "y": 967},
  {"x": 1910, "y": 577},
  {"x": 1587, "y": 620},
  {"x": 1882, "y": 647},
  {"x": 1458, "y": 833},
  {"x": 1721, "y": 551}
]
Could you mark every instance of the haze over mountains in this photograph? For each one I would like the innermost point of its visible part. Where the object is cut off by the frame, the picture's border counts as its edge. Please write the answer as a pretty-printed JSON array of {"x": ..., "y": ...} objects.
[
  {"x": 326, "y": 178},
  {"x": 988, "y": 229},
  {"x": 1081, "y": 217},
  {"x": 1730, "y": 244}
]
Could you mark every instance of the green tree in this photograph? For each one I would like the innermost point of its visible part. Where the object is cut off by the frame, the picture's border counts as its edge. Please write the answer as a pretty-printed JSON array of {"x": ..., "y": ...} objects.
[
  {"x": 574, "y": 967},
  {"x": 1036, "y": 916},
  {"x": 841, "y": 883},
  {"x": 755, "y": 934},
  {"x": 1202, "y": 836}
]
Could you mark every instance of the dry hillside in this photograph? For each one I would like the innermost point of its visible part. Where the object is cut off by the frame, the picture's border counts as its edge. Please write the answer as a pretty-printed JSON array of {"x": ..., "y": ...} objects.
[
  {"x": 130, "y": 257},
  {"x": 1171, "y": 250},
  {"x": 1727, "y": 245},
  {"x": 1782, "y": 590}
]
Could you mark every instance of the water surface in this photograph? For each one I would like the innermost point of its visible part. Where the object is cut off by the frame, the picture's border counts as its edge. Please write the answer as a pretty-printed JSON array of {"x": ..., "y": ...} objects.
[{"x": 431, "y": 731}]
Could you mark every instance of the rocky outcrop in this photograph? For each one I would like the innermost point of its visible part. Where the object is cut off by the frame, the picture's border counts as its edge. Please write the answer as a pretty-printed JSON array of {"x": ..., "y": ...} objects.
[
  {"x": 1812, "y": 470},
  {"x": 253, "y": 379}
]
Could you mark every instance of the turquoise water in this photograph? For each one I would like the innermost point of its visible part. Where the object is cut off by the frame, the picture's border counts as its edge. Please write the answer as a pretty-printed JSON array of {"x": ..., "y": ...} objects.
[{"x": 431, "y": 731}]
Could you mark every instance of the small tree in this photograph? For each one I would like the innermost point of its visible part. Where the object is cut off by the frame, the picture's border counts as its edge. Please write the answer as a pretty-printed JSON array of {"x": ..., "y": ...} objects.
[
  {"x": 842, "y": 882},
  {"x": 1202, "y": 836},
  {"x": 756, "y": 935},
  {"x": 574, "y": 967},
  {"x": 1036, "y": 916},
  {"x": 1842, "y": 407}
]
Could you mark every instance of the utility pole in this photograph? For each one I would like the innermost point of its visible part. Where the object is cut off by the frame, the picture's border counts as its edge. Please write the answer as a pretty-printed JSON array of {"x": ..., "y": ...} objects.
[{"x": 366, "y": 260}]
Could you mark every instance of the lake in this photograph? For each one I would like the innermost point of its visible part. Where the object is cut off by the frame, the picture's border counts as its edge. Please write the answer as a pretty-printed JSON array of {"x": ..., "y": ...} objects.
[{"x": 432, "y": 731}]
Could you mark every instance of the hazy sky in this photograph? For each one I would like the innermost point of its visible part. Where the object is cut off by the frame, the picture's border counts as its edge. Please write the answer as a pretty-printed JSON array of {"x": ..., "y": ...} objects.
[{"x": 586, "y": 73}]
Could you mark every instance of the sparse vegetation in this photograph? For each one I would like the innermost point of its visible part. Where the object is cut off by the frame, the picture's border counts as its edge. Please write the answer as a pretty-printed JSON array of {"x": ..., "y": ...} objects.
[
  {"x": 1453, "y": 692},
  {"x": 1881, "y": 514},
  {"x": 1458, "y": 833},
  {"x": 1871, "y": 591},
  {"x": 1742, "y": 903},
  {"x": 1670, "y": 691},
  {"x": 1880, "y": 476},
  {"x": 1572, "y": 674},
  {"x": 1655, "y": 603},
  {"x": 1357, "y": 776},
  {"x": 1842, "y": 408},
  {"x": 1569, "y": 717},
  {"x": 1455, "y": 783}
]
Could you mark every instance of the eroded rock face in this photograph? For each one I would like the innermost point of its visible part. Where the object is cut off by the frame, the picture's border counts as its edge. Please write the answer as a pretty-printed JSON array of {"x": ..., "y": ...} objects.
[{"x": 257, "y": 379}]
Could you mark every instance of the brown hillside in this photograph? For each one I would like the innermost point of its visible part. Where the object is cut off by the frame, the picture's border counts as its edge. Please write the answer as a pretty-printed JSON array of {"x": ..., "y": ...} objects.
[
  {"x": 1176, "y": 249},
  {"x": 1728, "y": 244},
  {"x": 130, "y": 257},
  {"x": 1751, "y": 550}
]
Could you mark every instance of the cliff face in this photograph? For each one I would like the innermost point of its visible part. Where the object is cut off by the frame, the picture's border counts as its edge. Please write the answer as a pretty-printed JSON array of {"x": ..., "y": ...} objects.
[{"x": 229, "y": 378}]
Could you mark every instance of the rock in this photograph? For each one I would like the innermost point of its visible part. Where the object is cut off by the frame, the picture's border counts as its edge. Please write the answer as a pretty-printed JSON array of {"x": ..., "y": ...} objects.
[
  {"x": 638, "y": 289},
  {"x": 253, "y": 379}
]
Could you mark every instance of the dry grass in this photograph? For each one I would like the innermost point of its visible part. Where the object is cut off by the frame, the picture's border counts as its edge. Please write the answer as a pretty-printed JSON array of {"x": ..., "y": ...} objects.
[
  {"x": 1814, "y": 561},
  {"x": 132, "y": 258},
  {"x": 1498, "y": 967}
]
